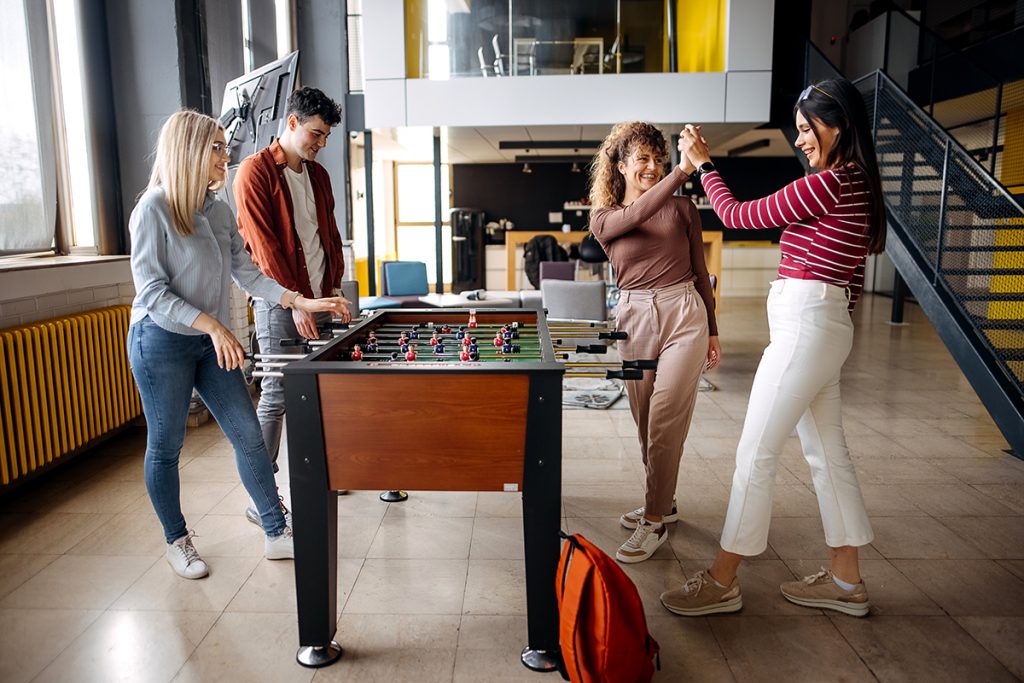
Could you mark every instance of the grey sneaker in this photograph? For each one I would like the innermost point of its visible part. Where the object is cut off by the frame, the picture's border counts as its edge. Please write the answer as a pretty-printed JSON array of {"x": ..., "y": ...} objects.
[
  {"x": 703, "y": 595},
  {"x": 253, "y": 516},
  {"x": 819, "y": 590},
  {"x": 281, "y": 547},
  {"x": 641, "y": 545},
  {"x": 631, "y": 518},
  {"x": 184, "y": 558}
]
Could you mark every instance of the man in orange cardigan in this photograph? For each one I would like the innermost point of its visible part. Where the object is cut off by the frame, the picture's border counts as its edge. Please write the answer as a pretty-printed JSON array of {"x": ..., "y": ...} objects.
[{"x": 286, "y": 217}]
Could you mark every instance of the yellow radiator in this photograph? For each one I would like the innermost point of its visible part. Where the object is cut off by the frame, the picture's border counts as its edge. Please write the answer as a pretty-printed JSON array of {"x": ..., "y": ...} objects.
[{"x": 63, "y": 383}]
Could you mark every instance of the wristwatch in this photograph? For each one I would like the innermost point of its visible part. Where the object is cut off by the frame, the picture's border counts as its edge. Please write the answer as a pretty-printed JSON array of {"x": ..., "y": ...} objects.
[{"x": 706, "y": 167}]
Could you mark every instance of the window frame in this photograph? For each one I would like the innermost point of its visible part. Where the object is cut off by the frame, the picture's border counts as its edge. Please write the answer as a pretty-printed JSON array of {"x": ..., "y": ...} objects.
[{"x": 445, "y": 215}]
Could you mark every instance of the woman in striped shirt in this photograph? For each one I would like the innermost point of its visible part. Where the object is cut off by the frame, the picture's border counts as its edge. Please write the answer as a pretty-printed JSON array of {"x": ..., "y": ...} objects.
[{"x": 832, "y": 220}]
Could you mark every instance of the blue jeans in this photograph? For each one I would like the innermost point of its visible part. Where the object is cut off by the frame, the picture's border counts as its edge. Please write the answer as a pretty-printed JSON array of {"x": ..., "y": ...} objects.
[
  {"x": 166, "y": 367},
  {"x": 274, "y": 323}
]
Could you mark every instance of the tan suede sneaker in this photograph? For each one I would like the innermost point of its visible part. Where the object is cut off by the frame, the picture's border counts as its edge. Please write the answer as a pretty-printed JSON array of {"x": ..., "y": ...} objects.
[
  {"x": 819, "y": 590},
  {"x": 703, "y": 595}
]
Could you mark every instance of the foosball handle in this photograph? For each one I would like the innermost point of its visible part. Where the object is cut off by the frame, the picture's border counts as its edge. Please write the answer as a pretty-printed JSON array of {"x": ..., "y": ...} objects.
[
  {"x": 334, "y": 325},
  {"x": 641, "y": 364},
  {"x": 614, "y": 334},
  {"x": 625, "y": 374},
  {"x": 295, "y": 342},
  {"x": 592, "y": 348}
]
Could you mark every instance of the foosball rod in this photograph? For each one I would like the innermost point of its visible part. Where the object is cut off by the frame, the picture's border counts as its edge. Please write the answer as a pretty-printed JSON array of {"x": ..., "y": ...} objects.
[
  {"x": 627, "y": 364},
  {"x": 610, "y": 374}
]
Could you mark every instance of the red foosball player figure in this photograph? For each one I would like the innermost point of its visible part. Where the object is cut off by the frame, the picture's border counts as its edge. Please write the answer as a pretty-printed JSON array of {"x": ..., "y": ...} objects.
[
  {"x": 465, "y": 340},
  {"x": 410, "y": 355},
  {"x": 465, "y": 353},
  {"x": 357, "y": 353},
  {"x": 434, "y": 340},
  {"x": 472, "y": 319},
  {"x": 499, "y": 341}
]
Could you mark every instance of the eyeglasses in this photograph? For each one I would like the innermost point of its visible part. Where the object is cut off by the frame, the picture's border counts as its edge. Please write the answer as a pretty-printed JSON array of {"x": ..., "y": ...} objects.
[
  {"x": 807, "y": 92},
  {"x": 220, "y": 147}
]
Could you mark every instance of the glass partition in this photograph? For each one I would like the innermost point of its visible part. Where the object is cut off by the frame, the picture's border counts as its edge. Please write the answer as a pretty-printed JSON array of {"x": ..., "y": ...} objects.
[{"x": 502, "y": 38}]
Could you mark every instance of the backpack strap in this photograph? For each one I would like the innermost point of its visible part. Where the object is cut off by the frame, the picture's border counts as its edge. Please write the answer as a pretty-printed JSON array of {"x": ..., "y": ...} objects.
[{"x": 569, "y": 602}]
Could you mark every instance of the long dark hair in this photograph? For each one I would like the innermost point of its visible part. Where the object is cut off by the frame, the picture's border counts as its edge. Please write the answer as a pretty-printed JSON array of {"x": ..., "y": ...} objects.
[{"x": 836, "y": 103}]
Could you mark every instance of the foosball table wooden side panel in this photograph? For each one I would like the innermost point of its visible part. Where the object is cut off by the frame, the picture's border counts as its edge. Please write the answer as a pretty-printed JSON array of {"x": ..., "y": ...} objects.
[{"x": 457, "y": 432}]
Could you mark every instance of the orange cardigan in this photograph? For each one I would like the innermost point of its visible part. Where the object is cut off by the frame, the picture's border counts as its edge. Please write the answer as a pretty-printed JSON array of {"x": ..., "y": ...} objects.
[{"x": 266, "y": 221}]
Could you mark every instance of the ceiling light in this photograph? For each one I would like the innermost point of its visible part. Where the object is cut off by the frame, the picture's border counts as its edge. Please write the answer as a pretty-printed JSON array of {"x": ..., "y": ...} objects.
[
  {"x": 575, "y": 167},
  {"x": 526, "y": 168}
]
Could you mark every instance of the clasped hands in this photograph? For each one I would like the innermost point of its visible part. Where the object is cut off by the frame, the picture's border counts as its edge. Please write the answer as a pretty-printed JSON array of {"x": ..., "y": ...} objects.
[{"x": 693, "y": 148}]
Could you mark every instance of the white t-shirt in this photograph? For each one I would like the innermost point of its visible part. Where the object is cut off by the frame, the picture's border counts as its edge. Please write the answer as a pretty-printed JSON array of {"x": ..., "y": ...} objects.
[{"x": 304, "y": 215}]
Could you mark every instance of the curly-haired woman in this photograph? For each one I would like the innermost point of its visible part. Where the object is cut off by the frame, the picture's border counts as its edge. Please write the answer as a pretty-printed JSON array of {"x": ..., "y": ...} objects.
[{"x": 653, "y": 240}]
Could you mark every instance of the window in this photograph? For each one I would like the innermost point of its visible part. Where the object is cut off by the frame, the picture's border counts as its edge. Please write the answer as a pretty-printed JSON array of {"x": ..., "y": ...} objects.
[
  {"x": 42, "y": 97},
  {"x": 414, "y": 209},
  {"x": 28, "y": 192},
  {"x": 72, "y": 103}
]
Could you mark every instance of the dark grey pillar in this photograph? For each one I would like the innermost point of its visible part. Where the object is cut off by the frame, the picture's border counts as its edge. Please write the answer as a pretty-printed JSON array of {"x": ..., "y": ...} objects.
[
  {"x": 262, "y": 31},
  {"x": 323, "y": 64},
  {"x": 101, "y": 127},
  {"x": 144, "y": 76},
  {"x": 223, "y": 47}
]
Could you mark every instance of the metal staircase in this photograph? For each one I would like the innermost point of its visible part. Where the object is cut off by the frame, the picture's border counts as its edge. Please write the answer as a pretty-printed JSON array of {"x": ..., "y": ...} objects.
[{"x": 956, "y": 236}]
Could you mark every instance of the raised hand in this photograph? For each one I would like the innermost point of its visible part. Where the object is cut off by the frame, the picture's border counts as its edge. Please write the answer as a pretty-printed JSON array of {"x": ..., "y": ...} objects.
[{"x": 693, "y": 145}]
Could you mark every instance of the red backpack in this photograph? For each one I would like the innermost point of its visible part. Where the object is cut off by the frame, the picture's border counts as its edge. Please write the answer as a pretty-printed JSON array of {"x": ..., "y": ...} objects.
[{"x": 602, "y": 629}]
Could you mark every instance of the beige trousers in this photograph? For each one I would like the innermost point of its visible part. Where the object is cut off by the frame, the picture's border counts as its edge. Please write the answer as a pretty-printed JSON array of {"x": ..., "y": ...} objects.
[{"x": 670, "y": 325}]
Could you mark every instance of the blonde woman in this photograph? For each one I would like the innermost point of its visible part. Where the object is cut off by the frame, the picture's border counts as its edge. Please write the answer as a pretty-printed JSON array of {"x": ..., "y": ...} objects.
[
  {"x": 653, "y": 240},
  {"x": 185, "y": 251}
]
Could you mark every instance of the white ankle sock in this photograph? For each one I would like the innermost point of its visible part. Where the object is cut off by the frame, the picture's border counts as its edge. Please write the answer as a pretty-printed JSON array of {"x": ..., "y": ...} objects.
[{"x": 842, "y": 584}]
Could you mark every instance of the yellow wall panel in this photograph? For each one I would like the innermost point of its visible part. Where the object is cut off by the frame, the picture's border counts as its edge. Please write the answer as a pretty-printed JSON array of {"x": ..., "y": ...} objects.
[{"x": 700, "y": 36}]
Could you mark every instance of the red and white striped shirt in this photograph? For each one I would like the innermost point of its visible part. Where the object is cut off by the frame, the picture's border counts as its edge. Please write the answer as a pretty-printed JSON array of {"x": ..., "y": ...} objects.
[{"x": 826, "y": 217}]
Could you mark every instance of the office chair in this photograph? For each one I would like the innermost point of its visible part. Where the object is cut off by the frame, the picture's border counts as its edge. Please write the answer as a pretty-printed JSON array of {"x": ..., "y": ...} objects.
[
  {"x": 404, "y": 281},
  {"x": 557, "y": 270},
  {"x": 499, "y": 59},
  {"x": 572, "y": 300}
]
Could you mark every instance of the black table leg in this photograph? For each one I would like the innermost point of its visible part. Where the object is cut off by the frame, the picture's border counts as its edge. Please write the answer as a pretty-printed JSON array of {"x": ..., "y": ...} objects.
[
  {"x": 315, "y": 525},
  {"x": 542, "y": 497}
]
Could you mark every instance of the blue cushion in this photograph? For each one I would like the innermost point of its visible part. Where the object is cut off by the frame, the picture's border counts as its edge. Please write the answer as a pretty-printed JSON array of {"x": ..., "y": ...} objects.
[
  {"x": 406, "y": 278},
  {"x": 372, "y": 303}
]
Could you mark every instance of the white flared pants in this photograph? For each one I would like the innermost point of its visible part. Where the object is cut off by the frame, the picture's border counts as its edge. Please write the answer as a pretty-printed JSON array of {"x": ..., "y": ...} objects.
[{"x": 797, "y": 386}]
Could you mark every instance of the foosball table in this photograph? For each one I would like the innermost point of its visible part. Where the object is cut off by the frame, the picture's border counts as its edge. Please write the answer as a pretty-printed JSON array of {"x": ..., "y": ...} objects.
[{"x": 449, "y": 400}]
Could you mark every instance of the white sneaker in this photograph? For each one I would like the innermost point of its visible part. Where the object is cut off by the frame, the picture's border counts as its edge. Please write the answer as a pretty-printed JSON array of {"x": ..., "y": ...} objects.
[
  {"x": 185, "y": 560},
  {"x": 280, "y": 547},
  {"x": 647, "y": 538},
  {"x": 630, "y": 519},
  {"x": 253, "y": 516}
]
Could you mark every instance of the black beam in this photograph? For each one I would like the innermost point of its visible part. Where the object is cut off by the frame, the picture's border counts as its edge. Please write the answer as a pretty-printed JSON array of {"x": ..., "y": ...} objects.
[
  {"x": 549, "y": 144},
  {"x": 438, "y": 220},
  {"x": 749, "y": 147},
  {"x": 371, "y": 263},
  {"x": 556, "y": 159}
]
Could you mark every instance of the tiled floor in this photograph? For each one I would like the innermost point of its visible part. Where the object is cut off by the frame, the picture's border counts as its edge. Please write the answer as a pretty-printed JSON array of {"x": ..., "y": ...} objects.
[{"x": 433, "y": 589}]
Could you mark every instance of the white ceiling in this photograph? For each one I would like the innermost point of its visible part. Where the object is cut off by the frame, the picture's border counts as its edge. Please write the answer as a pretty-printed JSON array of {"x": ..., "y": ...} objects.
[{"x": 480, "y": 145}]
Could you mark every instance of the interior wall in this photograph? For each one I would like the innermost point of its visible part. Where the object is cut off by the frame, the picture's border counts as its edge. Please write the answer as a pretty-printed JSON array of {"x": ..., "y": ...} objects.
[
  {"x": 504, "y": 191},
  {"x": 750, "y": 178}
]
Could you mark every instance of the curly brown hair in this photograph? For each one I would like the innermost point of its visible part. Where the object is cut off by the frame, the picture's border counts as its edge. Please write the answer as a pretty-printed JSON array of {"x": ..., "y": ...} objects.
[{"x": 607, "y": 184}]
